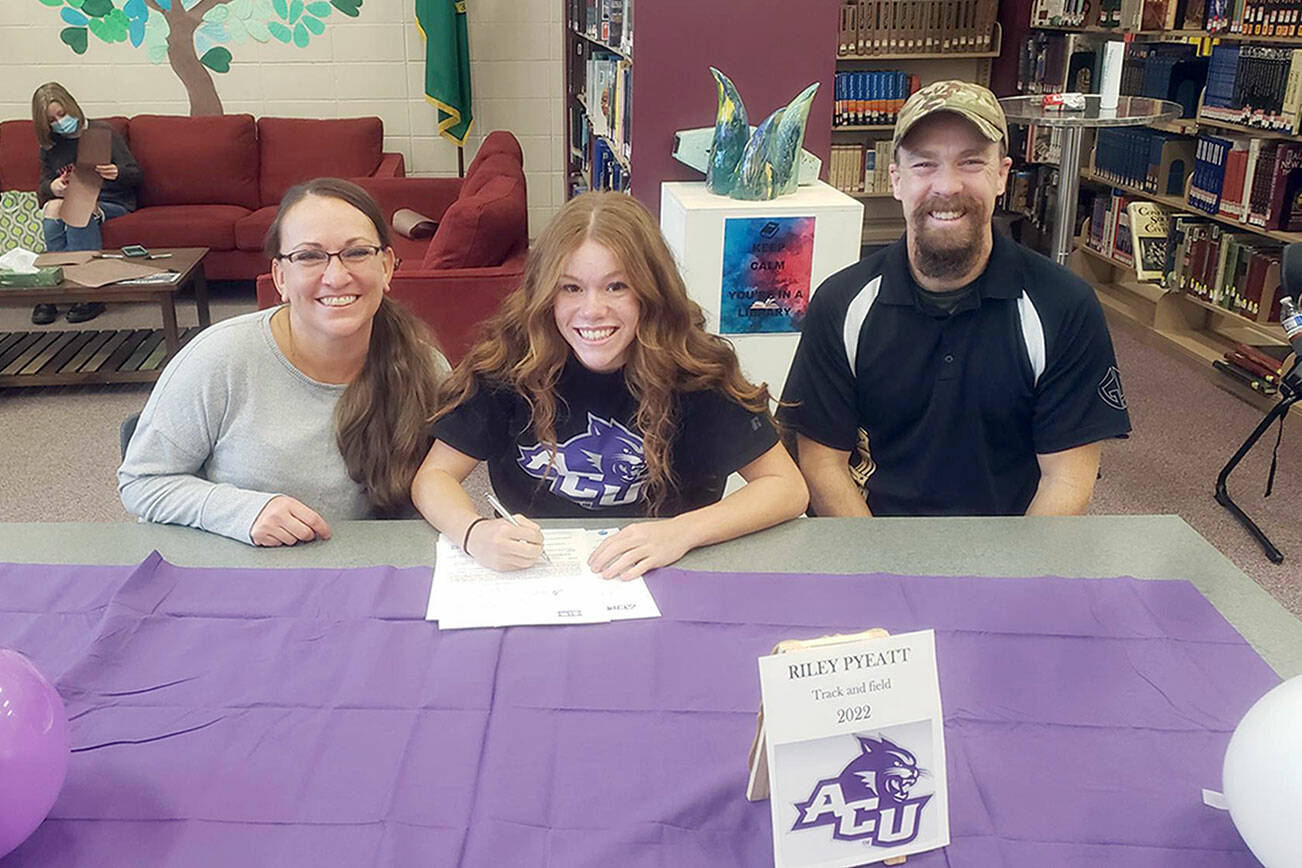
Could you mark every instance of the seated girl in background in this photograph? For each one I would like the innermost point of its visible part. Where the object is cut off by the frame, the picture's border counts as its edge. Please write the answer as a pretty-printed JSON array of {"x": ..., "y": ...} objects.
[
  {"x": 266, "y": 422},
  {"x": 598, "y": 394},
  {"x": 59, "y": 124}
]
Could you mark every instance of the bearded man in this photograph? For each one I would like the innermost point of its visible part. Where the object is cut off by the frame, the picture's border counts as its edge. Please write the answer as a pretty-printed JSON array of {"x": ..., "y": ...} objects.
[{"x": 954, "y": 372}]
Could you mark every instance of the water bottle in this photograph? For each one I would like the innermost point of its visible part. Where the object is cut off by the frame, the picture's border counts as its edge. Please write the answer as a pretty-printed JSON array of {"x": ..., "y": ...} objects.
[{"x": 1290, "y": 317}]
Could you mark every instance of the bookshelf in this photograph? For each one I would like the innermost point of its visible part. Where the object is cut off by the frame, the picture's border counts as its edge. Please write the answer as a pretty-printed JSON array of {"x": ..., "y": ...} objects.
[
  {"x": 917, "y": 43},
  {"x": 1183, "y": 326},
  {"x": 666, "y": 59},
  {"x": 599, "y": 90},
  {"x": 1196, "y": 329}
]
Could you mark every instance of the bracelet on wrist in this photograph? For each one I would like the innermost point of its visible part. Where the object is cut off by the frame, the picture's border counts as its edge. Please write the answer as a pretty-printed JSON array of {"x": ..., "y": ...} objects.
[{"x": 465, "y": 539}]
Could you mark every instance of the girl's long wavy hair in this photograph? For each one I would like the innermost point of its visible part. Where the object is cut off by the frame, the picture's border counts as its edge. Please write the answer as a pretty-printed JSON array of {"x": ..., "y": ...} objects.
[
  {"x": 381, "y": 418},
  {"x": 523, "y": 350},
  {"x": 47, "y": 93}
]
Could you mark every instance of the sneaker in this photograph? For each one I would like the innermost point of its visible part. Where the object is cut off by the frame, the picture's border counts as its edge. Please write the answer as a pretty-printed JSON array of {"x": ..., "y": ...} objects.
[
  {"x": 85, "y": 311},
  {"x": 44, "y": 314}
]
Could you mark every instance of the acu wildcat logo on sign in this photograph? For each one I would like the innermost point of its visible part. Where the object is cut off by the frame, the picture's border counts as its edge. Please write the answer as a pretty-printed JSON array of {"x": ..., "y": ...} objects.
[
  {"x": 869, "y": 800},
  {"x": 601, "y": 467}
]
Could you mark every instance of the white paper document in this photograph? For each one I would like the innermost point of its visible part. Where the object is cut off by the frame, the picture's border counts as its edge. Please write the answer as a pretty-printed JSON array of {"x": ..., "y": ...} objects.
[
  {"x": 465, "y": 594},
  {"x": 856, "y": 752}
]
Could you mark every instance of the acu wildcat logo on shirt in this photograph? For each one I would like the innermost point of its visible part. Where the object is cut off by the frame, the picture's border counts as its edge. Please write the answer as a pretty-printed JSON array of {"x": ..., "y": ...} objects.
[
  {"x": 601, "y": 467},
  {"x": 869, "y": 799}
]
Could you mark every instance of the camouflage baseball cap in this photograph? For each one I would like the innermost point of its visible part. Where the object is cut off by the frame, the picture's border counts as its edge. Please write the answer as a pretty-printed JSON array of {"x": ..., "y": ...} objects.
[{"x": 972, "y": 101}]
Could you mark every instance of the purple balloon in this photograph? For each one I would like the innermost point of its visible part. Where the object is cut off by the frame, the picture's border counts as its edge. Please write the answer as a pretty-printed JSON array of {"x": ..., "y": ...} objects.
[{"x": 33, "y": 748}]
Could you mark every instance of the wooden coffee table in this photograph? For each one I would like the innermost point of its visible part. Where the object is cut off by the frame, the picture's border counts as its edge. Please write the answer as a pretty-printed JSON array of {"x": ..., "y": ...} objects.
[{"x": 49, "y": 357}]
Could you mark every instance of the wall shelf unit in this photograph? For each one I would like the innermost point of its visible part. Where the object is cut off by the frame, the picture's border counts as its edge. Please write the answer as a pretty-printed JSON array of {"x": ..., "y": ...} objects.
[
  {"x": 858, "y": 143},
  {"x": 599, "y": 90},
  {"x": 1195, "y": 329},
  {"x": 1182, "y": 325}
]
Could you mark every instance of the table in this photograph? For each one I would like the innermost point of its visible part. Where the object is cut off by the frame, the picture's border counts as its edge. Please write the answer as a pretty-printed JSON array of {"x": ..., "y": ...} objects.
[
  {"x": 502, "y": 687},
  {"x": 1144, "y": 546},
  {"x": 51, "y": 357},
  {"x": 1131, "y": 111}
]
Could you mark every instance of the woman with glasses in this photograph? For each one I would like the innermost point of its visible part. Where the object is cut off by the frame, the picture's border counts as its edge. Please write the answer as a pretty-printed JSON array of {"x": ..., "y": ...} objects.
[
  {"x": 597, "y": 393},
  {"x": 267, "y": 426},
  {"x": 59, "y": 124}
]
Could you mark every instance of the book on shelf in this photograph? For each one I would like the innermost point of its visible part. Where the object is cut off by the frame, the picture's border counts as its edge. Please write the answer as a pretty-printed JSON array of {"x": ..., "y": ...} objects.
[
  {"x": 1167, "y": 71},
  {"x": 1264, "y": 18},
  {"x": 872, "y": 96},
  {"x": 1269, "y": 357},
  {"x": 1194, "y": 15},
  {"x": 1057, "y": 62},
  {"x": 1177, "y": 247},
  {"x": 868, "y": 27},
  {"x": 1122, "y": 243},
  {"x": 1256, "y": 86},
  {"x": 1058, "y": 13},
  {"x": 1237, "y": 271},
  {"x": 846, "y": 169},
  {"x": 607, "y": 172},
  {"x": 1051, "y": 62},
  {"x": 608, "y": 21},
  {"x": 847, "y": 33},
  {"x": 1042, "y": 145},
  {"x": 1109, "y": 227},
  {"x": 1252, "y": 366},
  {"x": 1217, "y": 16},
  {"x": 881, "y": 179},
  {"x": 1153, "y": 161},
  {"x": 1149, "y": 232},
  {"x": 1245, "y": 377},
  {"x": 1234, "y": 174},
  {"x": 1285, "y": 185},
  {"x": 1108, "y": 13},
  {"x": 861, "y": 169},
  {"x": 606, "y": 90},
  {"x": 1209, "y": 172},
  {"x": 1143, "y": 14}
]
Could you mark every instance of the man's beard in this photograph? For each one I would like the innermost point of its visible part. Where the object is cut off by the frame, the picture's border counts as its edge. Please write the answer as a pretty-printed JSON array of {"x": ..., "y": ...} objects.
[{"x": 942, "y": 253}]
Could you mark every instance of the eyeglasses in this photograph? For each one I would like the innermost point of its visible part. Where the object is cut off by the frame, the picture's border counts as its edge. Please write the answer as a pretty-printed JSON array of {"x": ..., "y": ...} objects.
[{"x": 317, "y": 260}]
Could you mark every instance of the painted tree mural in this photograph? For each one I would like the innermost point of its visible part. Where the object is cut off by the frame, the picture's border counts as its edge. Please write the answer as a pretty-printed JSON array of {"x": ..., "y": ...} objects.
[{"x": 192, "y": 35}]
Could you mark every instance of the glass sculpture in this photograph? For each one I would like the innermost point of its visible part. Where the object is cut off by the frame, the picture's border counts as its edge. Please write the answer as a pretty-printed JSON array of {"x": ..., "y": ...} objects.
[{"x": 759, "y": 164}]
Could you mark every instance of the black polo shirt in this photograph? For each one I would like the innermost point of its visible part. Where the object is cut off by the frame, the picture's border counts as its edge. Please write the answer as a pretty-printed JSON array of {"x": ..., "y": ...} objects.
[{"x": 944, "y": 414}]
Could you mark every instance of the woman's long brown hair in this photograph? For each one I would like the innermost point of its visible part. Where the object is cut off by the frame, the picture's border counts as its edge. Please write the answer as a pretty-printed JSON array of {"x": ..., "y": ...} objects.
[
  {"x": 381, "y": 418},
  {"x": 672, "y": 354}
]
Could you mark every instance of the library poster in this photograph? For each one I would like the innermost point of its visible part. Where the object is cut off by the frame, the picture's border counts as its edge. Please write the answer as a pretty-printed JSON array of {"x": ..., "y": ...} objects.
[{"x": 767, "y": 263}]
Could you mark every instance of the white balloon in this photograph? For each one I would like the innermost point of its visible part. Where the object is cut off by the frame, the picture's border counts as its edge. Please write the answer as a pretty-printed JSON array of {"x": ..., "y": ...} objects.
[{"x": 1262, "y": 776}]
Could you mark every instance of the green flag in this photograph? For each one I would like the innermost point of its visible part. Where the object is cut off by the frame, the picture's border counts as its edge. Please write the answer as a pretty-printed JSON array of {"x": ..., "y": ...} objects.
[{"x": 447, "y": 64}]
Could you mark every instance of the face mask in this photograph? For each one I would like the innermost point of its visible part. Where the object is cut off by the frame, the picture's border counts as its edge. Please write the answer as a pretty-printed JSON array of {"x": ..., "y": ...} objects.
[{"x": 66, "y": 125}]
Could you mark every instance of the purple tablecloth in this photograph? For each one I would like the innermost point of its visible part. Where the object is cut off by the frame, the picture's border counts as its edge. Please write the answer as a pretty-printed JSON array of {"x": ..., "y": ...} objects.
[{"x": 287, "y": 717}]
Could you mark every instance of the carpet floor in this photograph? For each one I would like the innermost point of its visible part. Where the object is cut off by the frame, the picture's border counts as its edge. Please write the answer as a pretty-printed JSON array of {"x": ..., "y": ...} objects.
[{"x": 59, "y": 450}]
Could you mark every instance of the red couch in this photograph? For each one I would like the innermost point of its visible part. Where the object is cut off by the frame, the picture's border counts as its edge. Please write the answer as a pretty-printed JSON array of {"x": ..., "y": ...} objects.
[
  {"x": 215, "y": 181},
  {"x": 456, "y": 279}
]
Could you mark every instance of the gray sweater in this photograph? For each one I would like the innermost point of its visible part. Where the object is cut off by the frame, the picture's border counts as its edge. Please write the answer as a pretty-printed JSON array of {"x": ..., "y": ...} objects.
[{"x": 231, "y": 424}]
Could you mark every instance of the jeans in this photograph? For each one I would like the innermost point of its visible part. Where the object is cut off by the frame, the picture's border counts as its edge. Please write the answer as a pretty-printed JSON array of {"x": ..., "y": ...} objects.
[{"x": 61, "y": 236}]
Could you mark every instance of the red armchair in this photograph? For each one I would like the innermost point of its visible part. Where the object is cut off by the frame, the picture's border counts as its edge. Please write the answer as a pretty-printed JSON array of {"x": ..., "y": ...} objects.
[{"x": 455, "y": 280}]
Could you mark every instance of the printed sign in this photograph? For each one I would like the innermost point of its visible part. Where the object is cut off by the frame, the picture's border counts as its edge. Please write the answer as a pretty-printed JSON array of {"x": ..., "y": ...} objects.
[
  {"x": 856, "y": 752},
  {"x": 767, "y": 263}
]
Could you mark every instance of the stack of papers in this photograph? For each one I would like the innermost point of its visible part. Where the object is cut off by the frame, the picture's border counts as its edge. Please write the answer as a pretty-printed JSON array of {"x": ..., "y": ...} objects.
[{"x": 465, "y": 594}]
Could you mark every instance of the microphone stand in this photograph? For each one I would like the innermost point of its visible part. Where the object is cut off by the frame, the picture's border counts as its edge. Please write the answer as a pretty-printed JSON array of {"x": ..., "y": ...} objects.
[{"x": 1290, "y": 387}]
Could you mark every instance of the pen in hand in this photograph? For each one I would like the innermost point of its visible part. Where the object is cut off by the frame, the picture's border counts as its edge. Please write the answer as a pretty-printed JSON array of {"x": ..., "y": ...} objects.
[{"x": 505, "y": 513}]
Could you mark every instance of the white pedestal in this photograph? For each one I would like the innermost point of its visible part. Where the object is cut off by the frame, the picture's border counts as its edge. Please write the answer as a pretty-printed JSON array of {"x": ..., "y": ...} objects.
[{"x": 692, "y": 219}]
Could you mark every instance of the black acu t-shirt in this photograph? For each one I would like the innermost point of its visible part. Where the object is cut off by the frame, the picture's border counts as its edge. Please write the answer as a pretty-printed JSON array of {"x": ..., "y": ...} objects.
[{"x": 599, "y": 465}]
